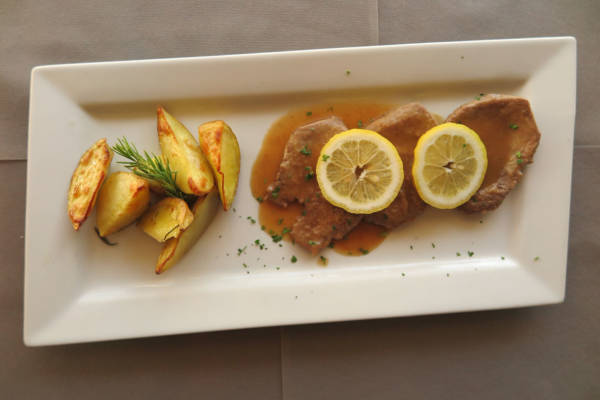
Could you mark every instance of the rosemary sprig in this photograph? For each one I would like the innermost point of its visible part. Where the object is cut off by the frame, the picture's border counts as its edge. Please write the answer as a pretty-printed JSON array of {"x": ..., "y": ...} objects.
[{"x": 150, "y": 166}]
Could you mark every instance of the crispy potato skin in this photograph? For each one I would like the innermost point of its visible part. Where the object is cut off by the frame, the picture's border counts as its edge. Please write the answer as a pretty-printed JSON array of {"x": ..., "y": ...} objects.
[
  {"x": 86, "y": 181},
  {"x": 123, "y": 198},
  {"x": 204, "y": 210},
  {"x": 221, "y": 148},
  {"x": 184, "y": 155},
  {"x": 166, "y": 219}
]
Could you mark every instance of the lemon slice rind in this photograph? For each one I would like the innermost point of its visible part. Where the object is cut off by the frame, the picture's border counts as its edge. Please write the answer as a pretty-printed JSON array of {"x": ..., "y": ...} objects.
[
  {"x": 471, "y": 140},
  {"x": 395, "y": 168}
]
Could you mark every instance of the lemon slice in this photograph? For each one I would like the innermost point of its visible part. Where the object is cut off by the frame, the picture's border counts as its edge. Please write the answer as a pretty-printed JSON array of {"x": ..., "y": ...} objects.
[
  {"x": 360, "y": 171},
  {"x": 449, "y": 166}
]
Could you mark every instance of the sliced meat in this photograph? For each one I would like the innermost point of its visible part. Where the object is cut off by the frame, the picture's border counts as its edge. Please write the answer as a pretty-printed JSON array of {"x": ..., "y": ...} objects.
[
  {"x": 295, "y": 179},
  {"x": 321, "y": 223},
  {"x": 402, "y": 126},
  {"x": 506, "y": 126}
]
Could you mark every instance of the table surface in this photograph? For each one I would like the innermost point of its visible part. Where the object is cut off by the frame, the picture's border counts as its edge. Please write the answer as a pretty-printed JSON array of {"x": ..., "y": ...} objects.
[{"x": 549, "y": 352}]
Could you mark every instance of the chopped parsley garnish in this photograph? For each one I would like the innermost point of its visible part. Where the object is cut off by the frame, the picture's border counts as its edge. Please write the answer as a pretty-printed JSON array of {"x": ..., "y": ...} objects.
[
  {"x": 312, "y": 243},
  {"x": 310, "y": 174},
  {"x": 411, "y": 247},
  {"x": 245, "y": 266},
  {"x": 277, "y": 268},
  {"x": 252, "y": 220},
  {"x": 464, "y": 145},
  {"x": 360, "y": 124},
  {"x": 262, "y": 227},
  {"x": 433, "y": 245},
  {"x": 347, "y": 72},
  {"x": 259, "y": 199},
  {"x": 285, "y": 230},
  {"x": 519, "y": 159},
  {"x": 502, "y": 257},
  {"x": 276, "y": 238},
  {"x": 514, "y": 126},
  {"x": 331, "y": 244},
  {"x": 275, "y": 192},
  {"x": 323, "y": 260},
  {"x": 457, "y": 254},
  {"x": 279, "y": 221},
  {"x": 470, "y": 253},
  {"x": 364, "y": 251},
  {"x": 537, "y": 258},
  {"x": 305, "y": 150},
  {"x": 308, "y": 113},
  {"x": 293, "y": 259},
  {"x": 242, "y": 250},
  {"x": 325, "y": 157},
  {"x": 480, "y": 96}
]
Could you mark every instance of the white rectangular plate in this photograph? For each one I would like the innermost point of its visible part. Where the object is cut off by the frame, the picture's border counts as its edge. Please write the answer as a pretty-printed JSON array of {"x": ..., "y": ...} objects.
[{"x": 78, "y": 289}]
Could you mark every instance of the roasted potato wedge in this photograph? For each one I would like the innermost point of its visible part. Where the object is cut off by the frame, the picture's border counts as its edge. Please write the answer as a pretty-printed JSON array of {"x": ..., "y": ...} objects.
[
  {"x": 221, "y": 148},
  {"x": 123, "y": 198},
  {"x": 86, "y": 181},
  {"x": 166, "y": 219},
  {"x": 184, "y": 155},
  {"x": 204, "y": 211}
]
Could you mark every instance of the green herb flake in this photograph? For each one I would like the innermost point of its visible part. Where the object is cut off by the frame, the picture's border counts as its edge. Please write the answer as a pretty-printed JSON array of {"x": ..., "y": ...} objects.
[
  {"x": 277, "y": 268},
  {"x": 285, "y": 230},
  {"x": 360, "y": 123},
  {"x": 245, "y": 266},
  {"x": 457, "y": 254},
  {"x": 279, "y": 221},
  {"x": 293, "y": 259},
  {"x": 502, "y": 257},
  {"x": 470, "y": 253},
  {"x": 308, "y": 113},
  {"x": 433, "y": 245},
  {"x": 364, "y": 251},
  {"x": 480, "y": 96},
  {"x": 411, "y": 247},
  {"x": 262, "y": 227},
  {"x": 519, "y": 160},
  {"x": 259, "y": 199},
  {"x": 464, "y": 145},
  {"x": 403, "y": 274},
  {"x": 312, "y": 243},
  {"x": 347, "y": 72},
  {"x": 242, "y": 250},
  {"x": 331, "y": 245},
  {"x": 514, "y": 126},
  {"x": 537, "y": 258},
  {"x": 252, "y": 220},
  {"x": 275, "y": 192},
  {"x": 276, "y": 238},
  {"x": 383, "y": 233},
  {"x": 323, "y": 260},
  {"x": 305, "y": 150},
  {"x": 325, "y": 157}
]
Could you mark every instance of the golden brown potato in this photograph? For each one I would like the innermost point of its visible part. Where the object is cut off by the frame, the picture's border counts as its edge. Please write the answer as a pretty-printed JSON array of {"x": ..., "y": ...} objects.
[
  {"x": 184, "y": 155},
  {"x": 221, "y": 148},
  {"x": 123, "y": 198},
  {"x": 86, "y": 181},
  {"x": 166, "y": 219},
  {"x": 204, "y": 211}
]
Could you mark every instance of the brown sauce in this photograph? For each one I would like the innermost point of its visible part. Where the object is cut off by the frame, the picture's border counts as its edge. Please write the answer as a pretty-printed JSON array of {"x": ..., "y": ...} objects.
[{"x": 365, "y": 237}]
